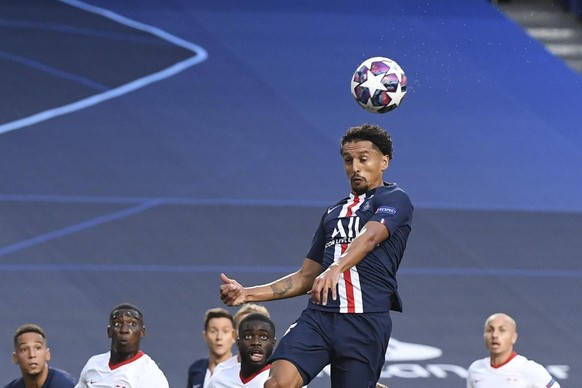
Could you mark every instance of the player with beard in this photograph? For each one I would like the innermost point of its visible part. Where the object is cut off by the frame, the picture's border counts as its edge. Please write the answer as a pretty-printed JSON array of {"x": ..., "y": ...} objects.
[
  {"x": 125, "y": 365},
  {"x": 255, "y": 343},
  {"x": 31, "y": 354},
  {"x": 349, "y": 272}
]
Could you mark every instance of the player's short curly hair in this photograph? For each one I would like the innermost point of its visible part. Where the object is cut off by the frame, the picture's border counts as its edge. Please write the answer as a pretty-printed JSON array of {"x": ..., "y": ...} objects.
[
  {"x": 371, "y": 132},
  {"x": 28, "y": 328}
]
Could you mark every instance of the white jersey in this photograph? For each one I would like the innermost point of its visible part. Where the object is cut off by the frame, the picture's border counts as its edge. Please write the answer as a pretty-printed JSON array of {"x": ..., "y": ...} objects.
[
  {"x": 229, "y": 362},
  {"x": 138, "y": 372},
  {"x": 229, "y": 377},
  {"x": 518, "y": 372}
]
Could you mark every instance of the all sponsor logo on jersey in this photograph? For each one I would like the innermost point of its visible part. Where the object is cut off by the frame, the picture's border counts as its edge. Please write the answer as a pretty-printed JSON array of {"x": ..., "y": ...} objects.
[{"x": 345, "y": 231}]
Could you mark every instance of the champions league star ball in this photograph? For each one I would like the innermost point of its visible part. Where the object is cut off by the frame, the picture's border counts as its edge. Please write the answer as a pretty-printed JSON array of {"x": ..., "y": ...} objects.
[{"x": 379, "y": 85}]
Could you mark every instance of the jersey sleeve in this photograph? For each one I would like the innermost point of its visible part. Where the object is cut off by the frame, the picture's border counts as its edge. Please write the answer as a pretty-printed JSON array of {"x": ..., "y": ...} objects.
[
  {"x": 392, "y": 209},
  {"x": 540, "y": 377},
  {"x": 81, "y": 383},
  {"x": 154, "y": 379},
  {"x": 469, "y": 378},
  {"x": 317, "y": 248}
]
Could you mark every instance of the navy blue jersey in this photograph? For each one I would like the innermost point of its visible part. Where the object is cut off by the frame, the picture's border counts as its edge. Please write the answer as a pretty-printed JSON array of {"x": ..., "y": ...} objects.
[
  {"x": 56, "y": 379},
  {"x": 369, "y": 286},
  {"x": 197, "y": 373}
]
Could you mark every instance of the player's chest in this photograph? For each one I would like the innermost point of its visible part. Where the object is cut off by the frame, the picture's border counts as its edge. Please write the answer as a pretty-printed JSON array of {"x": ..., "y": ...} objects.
[
  {"x": 110, "y": 379},
  {"x": 347, "y": 221},
  {"x": 510, "y": 379}
]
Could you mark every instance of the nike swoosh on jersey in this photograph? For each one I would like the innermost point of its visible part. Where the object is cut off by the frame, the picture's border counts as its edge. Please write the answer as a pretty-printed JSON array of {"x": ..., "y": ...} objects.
[{"x": 332, "y": 208}]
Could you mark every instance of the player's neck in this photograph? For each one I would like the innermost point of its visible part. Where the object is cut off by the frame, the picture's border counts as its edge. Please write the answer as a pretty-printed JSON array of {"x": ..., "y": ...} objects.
[
  {"x": 501, "y": 359},
  {"x": 247, "y": 371},
  {"x": 118, "y": 358},
  {"x": 35, "y": 381}
]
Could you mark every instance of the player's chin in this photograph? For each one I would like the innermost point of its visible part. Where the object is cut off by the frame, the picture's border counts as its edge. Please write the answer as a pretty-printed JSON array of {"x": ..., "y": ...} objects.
[{"x": 359, "y": 188}]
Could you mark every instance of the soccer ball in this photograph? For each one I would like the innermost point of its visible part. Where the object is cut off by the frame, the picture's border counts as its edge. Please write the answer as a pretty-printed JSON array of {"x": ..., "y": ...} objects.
[{"x": 379, "y": 85}]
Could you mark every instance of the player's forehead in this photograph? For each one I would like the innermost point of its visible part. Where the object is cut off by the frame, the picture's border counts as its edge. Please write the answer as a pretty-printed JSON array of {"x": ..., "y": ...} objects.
[
  {"x": 220, "y": 323},
  {"x": 125, "y": 313},
  {"x": 358, "y": 147},
  {"x": 500, "y": 321},
  {"x": 255, "y": 326},
  {"x": 30, "y": 337}
]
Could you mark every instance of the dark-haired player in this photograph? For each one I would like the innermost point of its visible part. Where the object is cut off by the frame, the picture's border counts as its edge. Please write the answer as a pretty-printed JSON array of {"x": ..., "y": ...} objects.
[
  {"x": 32, "y": 354},
  {"x": 350, "y": 273},
  {"x": 219, "y": 335},
  {"x": 125, "y": 365},
  {"x": 255, "y": 343}
]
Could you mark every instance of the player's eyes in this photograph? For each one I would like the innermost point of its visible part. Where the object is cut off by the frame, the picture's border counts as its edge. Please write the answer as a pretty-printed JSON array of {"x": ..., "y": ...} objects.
[{"x": 118, "y": 325}]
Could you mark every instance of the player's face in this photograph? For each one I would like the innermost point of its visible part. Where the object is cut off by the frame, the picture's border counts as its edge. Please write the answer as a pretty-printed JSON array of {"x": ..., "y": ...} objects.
[
  {"x": 31, "y": 354},
  {"x": 126, "y": 330},
  {"x": 219, "y": 336},
  {"x": 255, "y": 344},
  {"x": 500, "y": 335},
  {"x": 364, "y": 165}
]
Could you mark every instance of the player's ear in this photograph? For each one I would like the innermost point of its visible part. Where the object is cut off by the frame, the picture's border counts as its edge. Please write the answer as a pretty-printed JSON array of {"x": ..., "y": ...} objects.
[
  {"x": 385, "y": 162},
  {"x": 108, "y": 331},
  {"x": 142, "y": 332},
  {"x": 48, "y": 354},
  {"x": 14, "y": 359}
]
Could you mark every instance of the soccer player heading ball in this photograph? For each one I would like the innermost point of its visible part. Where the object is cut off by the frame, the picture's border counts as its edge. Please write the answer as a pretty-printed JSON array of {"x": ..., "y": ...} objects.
[{"x": 350, "y": 273}]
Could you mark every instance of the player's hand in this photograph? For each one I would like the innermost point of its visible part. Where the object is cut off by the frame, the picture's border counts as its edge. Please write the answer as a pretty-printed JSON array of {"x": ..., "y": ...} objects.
[
  {"x": 325, "y": 282},
  {"x": 231, "y": 292}
]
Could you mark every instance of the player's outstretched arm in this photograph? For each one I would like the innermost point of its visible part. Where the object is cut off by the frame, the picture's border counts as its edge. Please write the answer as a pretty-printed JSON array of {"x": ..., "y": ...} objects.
[{"x": 232, "y": 293}]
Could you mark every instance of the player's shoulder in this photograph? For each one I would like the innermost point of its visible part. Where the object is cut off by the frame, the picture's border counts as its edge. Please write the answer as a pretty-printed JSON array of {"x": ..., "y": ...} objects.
[
  {"x": 229, "y": 363},
  {"x": 17, "y": 383},
  {"x": 62, "y": 379},
  {"x": 479, "y": 364},
  {"x": 389, "y": 198},
  {"x": 200, "y": 364},
  {"x": 392, "y": 189},
  {"x": 99, "y": 358},
  {"x": 533, "y": 366},
  {"x": 152, "y": 373}
]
